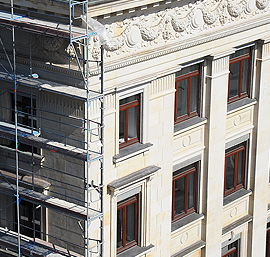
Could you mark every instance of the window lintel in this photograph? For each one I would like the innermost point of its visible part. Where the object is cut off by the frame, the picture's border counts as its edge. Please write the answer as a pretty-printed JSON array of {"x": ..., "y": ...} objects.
[{"x": 133, "y": 178}]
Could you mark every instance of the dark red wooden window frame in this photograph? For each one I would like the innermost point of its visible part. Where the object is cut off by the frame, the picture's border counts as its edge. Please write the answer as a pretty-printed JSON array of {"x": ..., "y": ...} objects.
[
  {"x": 123, "y": 206},
  {"x": 175, "y": 178},
  {"x": 234, "y": 249},
  {"x": 189, "y": 114},
  {"x": 125, "y": 108},
  {"x": 268, "y": 242},
  {"x": 228, "y": 154},
  {"x": 235, "y": 60}
]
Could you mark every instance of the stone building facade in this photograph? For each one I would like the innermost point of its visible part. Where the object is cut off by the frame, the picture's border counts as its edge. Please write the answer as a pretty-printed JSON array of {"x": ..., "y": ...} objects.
[{"x": 186, "y": 137}]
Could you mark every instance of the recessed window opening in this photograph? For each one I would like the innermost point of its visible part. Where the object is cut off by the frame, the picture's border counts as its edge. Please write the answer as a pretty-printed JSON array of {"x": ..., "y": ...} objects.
[
  {"x": 24, "y": 110},
  {"x": 187, "y": 83},
  {"x": 231, "y": 250},
  {"x": 127, "y": 223},
  {"x": 240, "y": 75},
  {"x": 129, "y": 121},
  {"x": 184, "y": 191},
  {"x": 234, "y": 177}
]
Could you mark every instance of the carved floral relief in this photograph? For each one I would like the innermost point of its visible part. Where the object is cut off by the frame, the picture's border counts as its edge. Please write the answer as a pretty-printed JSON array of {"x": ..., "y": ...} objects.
[{"x": 140, "y": 33}]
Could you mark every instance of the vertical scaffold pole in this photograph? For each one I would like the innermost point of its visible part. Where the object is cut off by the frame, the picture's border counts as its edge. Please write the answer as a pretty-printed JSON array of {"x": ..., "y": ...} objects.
[
  {"x": 102, "y": 149},
  {"x": 86, "y": 77},
  {"x": 16, "y": 133}
]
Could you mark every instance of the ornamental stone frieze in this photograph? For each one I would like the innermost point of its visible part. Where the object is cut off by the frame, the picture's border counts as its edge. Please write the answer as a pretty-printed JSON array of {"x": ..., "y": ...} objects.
[{"x": 146, "y": 31}]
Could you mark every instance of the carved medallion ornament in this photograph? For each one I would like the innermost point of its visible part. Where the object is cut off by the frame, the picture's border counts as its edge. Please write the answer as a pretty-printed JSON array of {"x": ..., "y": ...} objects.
[{"x": 145, "y": 31}]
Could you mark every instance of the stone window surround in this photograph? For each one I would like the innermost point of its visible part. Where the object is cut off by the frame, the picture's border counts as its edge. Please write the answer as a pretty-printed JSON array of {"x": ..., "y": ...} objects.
[
  {"x": 143, "y": 145},
  {"x": 228, "y": 242},
  {"x": 231, "y": 232},
  {"x": 138, "y": 182}
]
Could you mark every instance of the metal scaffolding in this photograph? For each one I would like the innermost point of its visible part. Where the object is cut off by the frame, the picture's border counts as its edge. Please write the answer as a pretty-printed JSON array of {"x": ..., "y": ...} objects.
[{"x": 24, "y": 178}]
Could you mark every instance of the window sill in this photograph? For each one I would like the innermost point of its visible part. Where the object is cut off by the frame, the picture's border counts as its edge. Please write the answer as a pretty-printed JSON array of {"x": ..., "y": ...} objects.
[
  {"x": 188, "y": 124},
  {"x": 236, "y": 196},
  {"x": 136, "y": 251},
  {"x": 195, "y": 247},
  {"x": 238, "y": 105},
  {"x": 186, "y": 221},
  {"x": 36, "y": 156},
  {"x": 130, "y": 151},
  {"x": 25, "y": 180},
  {"x": 236, "y": 224}
]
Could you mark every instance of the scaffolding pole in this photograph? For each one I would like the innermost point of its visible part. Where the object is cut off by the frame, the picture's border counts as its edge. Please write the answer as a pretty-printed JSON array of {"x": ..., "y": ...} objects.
[
  {"x": 88, "y": 155},
  {"x": 16, "y": 133}
]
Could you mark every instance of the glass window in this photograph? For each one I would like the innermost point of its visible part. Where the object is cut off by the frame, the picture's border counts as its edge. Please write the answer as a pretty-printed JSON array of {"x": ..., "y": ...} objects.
[
  {"x": 25, "y": 117},
  {"x": 24, "y": 110},
  {"x": 127, "y": 223},
  {"x": 184, "y": 192},
  {"x": 28, "y": 227},
  {"x": 239, "y": 78},
  {"x": 234, "y": 168},
  {"x": 129, "y": 120},
  {"x": 268, "y": 240},
  {"x": 231, "y": 250},
  {"x": 187, "y": 93}
]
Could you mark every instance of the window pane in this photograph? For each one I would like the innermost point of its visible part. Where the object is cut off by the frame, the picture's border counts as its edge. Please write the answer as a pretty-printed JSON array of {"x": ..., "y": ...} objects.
[
  {"x": 194, "y": 94},
  {"x": 24, "y": 108},
  {"x": 230, "y": 164},
  {"x": 240, "y": 167},
  {"x": 187, "y": 70},
  {"x": 245, "y": 76},
  {"x": 234, "y": 79},
  {"x": 179, "y": 196},
  {"x": 132, "y": 122},
  {"x": 233, "y": 248},
  {"x": 182, "y": 99},
  {"x": 122, "y": 124},
  {"x": 128, "y": 99},
  {"x": 191, "y": 183},
  {"x": 120, "y": 228},
  {"x": 184, "y": 169},
  {"x": 130, "y": 223},
  {"x": 267, "y": 242},
  {"x": 239, "y": 53}
]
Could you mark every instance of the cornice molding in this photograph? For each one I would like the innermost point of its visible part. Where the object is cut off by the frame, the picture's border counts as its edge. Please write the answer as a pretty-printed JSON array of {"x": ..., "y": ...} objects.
[
  {"x": 151, "y": 31},
  {"x": 185, "y": 44}
]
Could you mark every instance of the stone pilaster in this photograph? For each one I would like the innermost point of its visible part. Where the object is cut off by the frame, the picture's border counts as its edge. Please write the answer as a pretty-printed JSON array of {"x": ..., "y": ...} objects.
[
  {"x": 260, "y": 152},
  {"x": 216, "y": 112}
]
